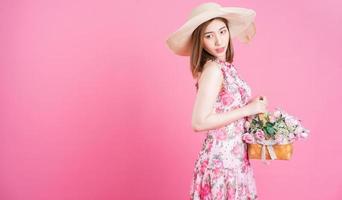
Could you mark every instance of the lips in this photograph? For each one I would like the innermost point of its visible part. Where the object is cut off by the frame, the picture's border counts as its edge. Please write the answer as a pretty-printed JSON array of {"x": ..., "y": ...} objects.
[{"x": 219, "y": 50}]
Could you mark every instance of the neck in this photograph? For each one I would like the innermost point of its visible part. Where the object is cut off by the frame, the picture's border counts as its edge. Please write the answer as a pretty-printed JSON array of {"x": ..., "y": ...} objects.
[{"x": 221, "y": 59}]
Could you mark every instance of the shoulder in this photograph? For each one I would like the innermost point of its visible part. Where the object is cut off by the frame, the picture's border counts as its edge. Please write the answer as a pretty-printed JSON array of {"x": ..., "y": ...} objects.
[
  {"x": 211, "y": 71},
  {"x": 212, "y": 67}
]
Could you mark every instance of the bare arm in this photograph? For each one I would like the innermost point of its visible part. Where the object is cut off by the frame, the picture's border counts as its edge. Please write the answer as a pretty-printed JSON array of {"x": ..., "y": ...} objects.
[{"x": 203, "y": 116}]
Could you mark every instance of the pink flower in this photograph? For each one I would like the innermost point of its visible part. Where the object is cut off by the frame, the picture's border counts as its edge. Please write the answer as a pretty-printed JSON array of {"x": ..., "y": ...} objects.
[
  {"x": 205, "y": 191},
  {"x": 221, "y": 135},
  {"x": 204, "y": 166},
  {"x": 217, "y": 171},
  {"x": 226, "y": 99},
  {"x": 248, "y": 138},
  {"x": 218, "y": 163},
  {"x": 260, "y": 135},
  {"x": 238, "y": 128},
  {"x": 236, "y": 149},
  {"x": 242, "y": 91},
  {"x": 231, "y": 192}
]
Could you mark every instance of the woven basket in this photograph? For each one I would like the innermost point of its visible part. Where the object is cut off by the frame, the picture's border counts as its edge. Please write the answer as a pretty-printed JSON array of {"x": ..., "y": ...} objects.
[{"x": 283, "y": 151}]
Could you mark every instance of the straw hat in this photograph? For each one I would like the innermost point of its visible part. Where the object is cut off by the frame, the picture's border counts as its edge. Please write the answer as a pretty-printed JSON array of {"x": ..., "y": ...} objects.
[{"x": 240, "y": 23}]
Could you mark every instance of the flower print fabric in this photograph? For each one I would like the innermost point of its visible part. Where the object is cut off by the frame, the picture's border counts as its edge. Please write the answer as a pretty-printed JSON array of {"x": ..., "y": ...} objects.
[{"x": 222, "y": 170}]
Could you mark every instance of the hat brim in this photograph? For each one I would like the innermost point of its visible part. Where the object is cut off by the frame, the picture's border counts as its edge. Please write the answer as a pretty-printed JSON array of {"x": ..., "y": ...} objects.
[{"x": 240, "y": 21}]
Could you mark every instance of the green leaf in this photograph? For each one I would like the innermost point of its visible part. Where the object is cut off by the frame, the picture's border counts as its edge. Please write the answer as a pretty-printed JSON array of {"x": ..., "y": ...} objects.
[
  {"x": 269, "y": 124},
  {"x": 270, "y": 130},
  {"x": 265, "y": 130}
]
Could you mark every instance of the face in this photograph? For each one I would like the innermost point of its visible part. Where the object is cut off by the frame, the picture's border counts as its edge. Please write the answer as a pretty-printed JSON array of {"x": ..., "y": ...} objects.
[{"x": 216, "y": 38}]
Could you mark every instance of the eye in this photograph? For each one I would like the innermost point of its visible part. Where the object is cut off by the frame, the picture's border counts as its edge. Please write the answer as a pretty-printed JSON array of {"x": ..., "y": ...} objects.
[
  {"x": 224, "y": 31},
  {"x": 208, "y": 36}
]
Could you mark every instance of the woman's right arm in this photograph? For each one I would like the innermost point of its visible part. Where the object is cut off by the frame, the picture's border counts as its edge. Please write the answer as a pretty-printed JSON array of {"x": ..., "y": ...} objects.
[{"x": 203, "y": 116}]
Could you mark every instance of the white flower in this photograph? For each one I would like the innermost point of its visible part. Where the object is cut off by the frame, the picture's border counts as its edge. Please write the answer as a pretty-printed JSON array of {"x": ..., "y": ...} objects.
[
  {"x": 291, "y": 136},
  {"x": 277, "y": 114},
  {"x": 279, "y": 137},
  {"x": 247, "y": 124},
  {"x": 304, "y": 135},
  {"x": 291, "y": 121},
  {"x": 299, "y": 129},
  {"x": 272, "y": 118}
]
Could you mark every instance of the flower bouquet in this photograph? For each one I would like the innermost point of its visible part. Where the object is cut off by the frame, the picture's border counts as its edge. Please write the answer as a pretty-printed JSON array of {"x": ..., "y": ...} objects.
[{"x": 275, "y": 131}]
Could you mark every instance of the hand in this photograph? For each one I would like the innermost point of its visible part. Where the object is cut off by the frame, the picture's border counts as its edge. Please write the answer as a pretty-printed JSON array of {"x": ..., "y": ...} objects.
[{"x": 257, "y": 105}]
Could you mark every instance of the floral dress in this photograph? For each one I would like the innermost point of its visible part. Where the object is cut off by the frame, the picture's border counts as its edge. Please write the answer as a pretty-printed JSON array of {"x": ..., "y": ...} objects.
[{"x": 222, "y": 170}]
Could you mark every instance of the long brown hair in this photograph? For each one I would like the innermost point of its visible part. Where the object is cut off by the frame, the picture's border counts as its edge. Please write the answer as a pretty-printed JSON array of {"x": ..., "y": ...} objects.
[{"x": 199, "y": 55}]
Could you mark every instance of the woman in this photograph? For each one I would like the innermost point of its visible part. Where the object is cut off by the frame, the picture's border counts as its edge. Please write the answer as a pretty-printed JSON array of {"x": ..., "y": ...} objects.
[{"x": 223, "y": 101}]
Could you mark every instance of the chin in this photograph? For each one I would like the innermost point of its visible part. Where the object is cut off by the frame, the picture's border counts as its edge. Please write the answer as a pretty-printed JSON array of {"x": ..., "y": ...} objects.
[
  {"x": 216, "y": 54},
  {"x": 219, "y": 54}
]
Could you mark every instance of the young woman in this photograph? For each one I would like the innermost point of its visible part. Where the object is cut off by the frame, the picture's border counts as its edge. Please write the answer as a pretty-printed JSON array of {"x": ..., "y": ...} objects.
[{"x": 222, "y": 170}]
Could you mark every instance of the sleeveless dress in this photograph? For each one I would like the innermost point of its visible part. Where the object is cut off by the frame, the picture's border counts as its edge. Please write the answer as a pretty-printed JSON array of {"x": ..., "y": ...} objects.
[{"x": 222, "y": 169}]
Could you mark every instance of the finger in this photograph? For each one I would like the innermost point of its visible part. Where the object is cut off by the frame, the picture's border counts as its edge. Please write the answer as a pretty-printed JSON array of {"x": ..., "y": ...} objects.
[
  {"x": 265, "y": 99},
  {"x": 265, "y": 103}
]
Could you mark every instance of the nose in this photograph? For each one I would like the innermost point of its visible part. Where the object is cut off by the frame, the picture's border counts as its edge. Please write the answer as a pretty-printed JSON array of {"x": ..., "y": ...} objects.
[{"x": 218, "y": 41}]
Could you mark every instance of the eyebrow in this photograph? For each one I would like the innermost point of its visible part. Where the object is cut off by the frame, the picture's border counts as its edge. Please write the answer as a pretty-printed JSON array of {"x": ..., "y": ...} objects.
[{"x": 219, "y": 29}]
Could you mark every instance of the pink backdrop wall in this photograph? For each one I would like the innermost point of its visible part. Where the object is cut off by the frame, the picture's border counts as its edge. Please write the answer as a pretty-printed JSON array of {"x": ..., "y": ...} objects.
[{"x": 94, "y": 105}]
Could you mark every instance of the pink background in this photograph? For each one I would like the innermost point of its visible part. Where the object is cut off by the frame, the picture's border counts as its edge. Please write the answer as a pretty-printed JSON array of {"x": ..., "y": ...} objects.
[{"x": 95, "y": 106}]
